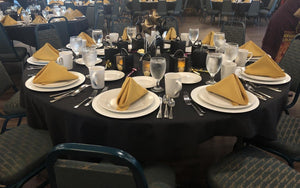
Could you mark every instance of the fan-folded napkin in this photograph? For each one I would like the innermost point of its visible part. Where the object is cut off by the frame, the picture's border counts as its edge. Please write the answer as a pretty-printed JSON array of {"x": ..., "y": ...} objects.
[
  {"x": 7, "y": 21},
  {"x": 89, "y": 40},
  {"x": 252, "y": 47},
  {"x": 171, "y": 34},
  {"x": 265, "y": 66},
  {"x": 47, "y": 52},
  {"x": 209, "y": 39},
  {"x": 52, "y": 73},
  {"x": 124, "y": 36},
  {"x": 39, "y": 20},
  {"x": 19, "y": 10},
  {"x": 232, "y": 89},
  {"x": 130, "y": 92}
]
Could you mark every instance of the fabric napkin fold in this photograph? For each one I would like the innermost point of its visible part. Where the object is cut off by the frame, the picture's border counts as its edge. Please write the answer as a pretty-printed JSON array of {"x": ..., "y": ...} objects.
[
  {"x": 171, "y": 35},
  {"x": 52, "y": 73},
  {"x": 77, "y": 13},
  {"x": 47, "y": 52},
  {"x": 39, "y": 20},
  {"x": 124, "y": 35},
  {"x": 209, "y": 39},
  {"x": 7, "y": 21},
  {"x": 252, "y": 47},
  {"x": 89, "y": 40},
  {"x": 265, "y": 66},
  {"x": 47, "y": 8},
  {"x": 232, "y": 89},
  {"x": 19, "y": 10},
  {"x": 130, "y": 92}
]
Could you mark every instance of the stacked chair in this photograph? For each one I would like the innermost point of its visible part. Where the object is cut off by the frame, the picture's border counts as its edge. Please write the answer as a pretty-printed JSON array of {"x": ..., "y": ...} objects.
[
  {"x": 268, "y": 11},
  {"x": 253, "y": 11},
  {"x": 47, "y": 33},
  {"x": 213, "y": 13},
  {"x": 226, "y": 10}
]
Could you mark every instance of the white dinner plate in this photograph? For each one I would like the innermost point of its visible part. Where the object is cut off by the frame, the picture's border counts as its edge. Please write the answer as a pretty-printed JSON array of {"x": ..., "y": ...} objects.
[
  {"x": 198, "y": 100},
  {"x": 29, "y": 84},
  {"x": 145, "y": 81},
  {"x": 80, "y": 61},
  {"x": 69, "y": 46},
  {"x": 263, "y": 78},
  {"x": 109, "y": 102},
  {"x": 222, "y": 102},
  {"x": 112, "y": 75},
  {"x": 286, "y": 80},
  {"x": 56, "y": 84},
  {"x": 189, "y": 78},
  {"x": 34, "y": 61},
  {"x": 99, "y": 109},
  {"x": 100, "y": 51}
]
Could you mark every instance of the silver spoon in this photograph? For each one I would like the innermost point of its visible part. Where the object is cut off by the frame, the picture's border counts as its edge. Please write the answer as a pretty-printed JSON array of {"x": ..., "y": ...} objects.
[
  {"x": 165, "y": 101},
  {"x": 171, "y": 103}
]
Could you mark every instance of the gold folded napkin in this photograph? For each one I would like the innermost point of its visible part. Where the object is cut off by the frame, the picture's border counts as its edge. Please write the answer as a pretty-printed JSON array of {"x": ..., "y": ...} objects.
[
  {"x": 147, "y": 23},
  {"x": 265, "y": 66},
  {"x": 87, "y": 3},
  {"x": 209, "y": 39},
  {"x": 69, "y": 15},
  {"x": 247, "y": 1},
  {"x": 171, "y": 34},
  {"x": 252, "y": 47},
  {"x": 130, "y": 92},
  {"x": 39, "y": 20},
  {"x": 7, "y": 21},
  {"x": 52, "y": 73},
  {"x": 47, "y": 52},
  {"x": 89, "y": 40},
  {"x": 70, "y": 9},
  {"x": 125, "y": 36},
  {"x": 47, "y": 8},
  {"x": 77, "y": 13},
  {"x": 51, "y": 2},
  {"x": 232, "y": 89},
  {"x": 106, "y": 2},
  {"x": 19, "y": 10}
]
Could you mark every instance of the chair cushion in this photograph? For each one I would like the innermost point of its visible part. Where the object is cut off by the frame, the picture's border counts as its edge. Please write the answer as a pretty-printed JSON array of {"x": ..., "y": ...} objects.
[
  {"x": 159, "y": 176},
  {"x": 22, "y": 150},
  {"x": 251, "y": 167},
  {"x": 12, "y": 106},
  {"x": 11, "y": 57}
]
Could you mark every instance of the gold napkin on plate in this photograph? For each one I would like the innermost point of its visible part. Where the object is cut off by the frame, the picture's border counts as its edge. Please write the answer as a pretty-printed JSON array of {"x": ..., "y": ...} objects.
[
  {"x": 125, "y": 36},
  {"x": 39, "y": 20},
  {"x": 171, "y": 34},
  {"x": 232, "y": 89},
  {"x": 209, "y": 39},
  {"x": 52, "y": 73},
  {"x": 19, "y": 10},
  {"x": 130, "y": 92},
  {"x": 47, "y": 52},
  {"x": 252, "y": 47},
  {"x": 77, "y": 13},
  {"x": 7, "y": 21},
  {"x": 69, "y": 15},
  {"x": 89, "y": 40},
  {"x": 265, "y": 66}
]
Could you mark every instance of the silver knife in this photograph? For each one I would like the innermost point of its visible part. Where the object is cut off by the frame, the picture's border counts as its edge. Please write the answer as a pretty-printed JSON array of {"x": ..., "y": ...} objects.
[
  {"x": 77, "y": 91},
  {"x": 92, "y": 97}
]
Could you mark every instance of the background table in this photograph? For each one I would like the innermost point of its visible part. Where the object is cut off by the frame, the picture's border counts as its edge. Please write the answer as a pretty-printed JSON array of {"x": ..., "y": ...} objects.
[{"x": 152, "y": 5}]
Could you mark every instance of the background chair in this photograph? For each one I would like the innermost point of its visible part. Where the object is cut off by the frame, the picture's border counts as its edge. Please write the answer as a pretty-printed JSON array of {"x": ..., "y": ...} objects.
[
  {"x": 226, "y": 10},
  {"x": 70, "y": 5},
  {"x": 23, "y": 153},
  {"x": 211, "y": 12},
  {"x": 234, "y": 32},
  {"x": 253, "y": 11},
  {"x": 178, "y": 9},
  {"x": 118, "y": 24},
  {"x": 169, "y": 21},
  {"x": 120, "y": 169},
  {"x": 268, "y": 11},
  {"x": 61, "y": 24},
  {"x": 162, "y": 8},
  {"x": 12, "y": 108},
  {"x": 47, "y": 33},
  {"x": 136, "y": 10},
  {"x": 90, "y": 15}
]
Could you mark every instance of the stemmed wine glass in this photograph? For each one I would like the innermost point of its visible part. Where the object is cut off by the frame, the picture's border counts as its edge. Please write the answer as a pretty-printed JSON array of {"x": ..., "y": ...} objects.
[
  {"x": 97, "y": 35},
  {"x": 213, "y": 65},
  {"x": 219, "y": 40},
  {"x": 193, "y": 35},
  {"x": 231, "y": 51},
  {"x": 89, "y": 57},
  {"x": 131, "y": 33},
  {"x": 157, "y": 69}
]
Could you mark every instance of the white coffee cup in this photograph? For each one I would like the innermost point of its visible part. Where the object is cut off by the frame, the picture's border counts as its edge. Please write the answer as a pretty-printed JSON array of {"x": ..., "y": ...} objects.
[
  {"x": 227, "y": 68},
  {"x": 173, "y": 84},
  {"x": 97, "y": 77},
  {"x": 27, "y": 19},
  {"x": 242, "y": 57},
  {"x": 185, "y": 37},
  {"x": 65, "y": 59},
  {"x": 112, "y": 37}
]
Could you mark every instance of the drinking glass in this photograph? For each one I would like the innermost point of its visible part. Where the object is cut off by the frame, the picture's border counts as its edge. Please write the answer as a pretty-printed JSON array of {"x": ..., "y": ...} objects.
[
  {"x": 45, "y": 14},
  {"x": 89, "y": 57},
  {"x": 213, "y": 65},
  {"x": 97, "y": 35},
  {"x": 157, "y": 69},
  {"x": 219, "y": 40},
  {"x": 131, "y": 33},
  {"x": 76, "y": 44},
  {"x": 193, "y": 35},
  {"x": 231, "y": 51}
]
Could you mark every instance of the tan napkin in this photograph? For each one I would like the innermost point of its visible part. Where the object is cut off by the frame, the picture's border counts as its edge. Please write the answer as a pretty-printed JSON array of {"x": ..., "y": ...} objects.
[
  {"x": 232, "y": 89},
  {"x": 7, "y": 21},
  {"x": 47, "y": 8},
  {"x": 39, "y": 20},
  {"x": 19, "y": 10},
  {"x": 171, "y": 35},
  {"x": 52, "y": 73},
  {"x": 77, "y": 13},
  {"x": 209, "y": 39},
  {"x": 125, "y": 36},
  {"x": 265, "y": 66},
  {"x": 130, "y": 92},
  {"x": 87, "y": 3},
  {"x": 89, "y": 40},
  {"x": 47, "y": 52},
  {"x": 69, "y": 15},
  {"x": 252, "y": 47}
]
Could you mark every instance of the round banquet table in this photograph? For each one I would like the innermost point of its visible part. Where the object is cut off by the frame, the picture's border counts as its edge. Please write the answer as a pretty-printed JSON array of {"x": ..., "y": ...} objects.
[
  {"x": 26, "y": 34},
  {"x": 147, "y": 138}
]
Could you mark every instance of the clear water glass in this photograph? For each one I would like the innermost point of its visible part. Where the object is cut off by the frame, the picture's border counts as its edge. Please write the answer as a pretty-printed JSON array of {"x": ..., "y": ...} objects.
[
  {"x": 213, "y": 66},
  {"x": 193, "y": 35},
  {"x": 131, "y": 33},
  {"x": 157, "y": 69},
  {"x": 89, "y": 57},
  {"x": 97, "y": 35},
  {"x": 76, "y": 44},
  {"x": 219, "y": 40},
  {"x": 45, "y": 14},
  {"x": 231, "y": 51}
]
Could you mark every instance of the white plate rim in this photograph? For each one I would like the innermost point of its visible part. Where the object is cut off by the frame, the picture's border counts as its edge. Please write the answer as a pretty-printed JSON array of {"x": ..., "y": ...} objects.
[
  {"x": 110, "y": 114},
  {"x": 194, "y": 95},
  {"x": 59, "y": 84},
  {"x": 34, "y": 61},
  {"x": 193, "y": 75},
  {"x": 263, "y": 78},
  {"x": 142, "y": 78},
  {"x": 114, "y": 93},
  {"x": 29, "y": 84},
  {"x": 287, "y": 79},
  {"x": 206, "y": 99},
  {"x": 69, "y": 45},
  {"x": 120, "y": 73},
  {"x": 99, "y": 60}
]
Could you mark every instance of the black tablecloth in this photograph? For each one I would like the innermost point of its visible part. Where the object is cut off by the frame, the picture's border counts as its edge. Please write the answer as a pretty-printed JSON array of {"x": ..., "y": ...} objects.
[
  {"x": 148, "y": 138},
  {"x": 26, "y": 34}
]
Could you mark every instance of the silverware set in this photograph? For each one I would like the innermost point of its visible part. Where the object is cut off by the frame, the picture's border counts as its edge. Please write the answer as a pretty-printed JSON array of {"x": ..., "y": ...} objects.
[
  {"x": 188, "y": 101},
  {"x": 168, "y": 102},
  {"x": 89, "y": 99},
  {"x": 70, "y": 93}
]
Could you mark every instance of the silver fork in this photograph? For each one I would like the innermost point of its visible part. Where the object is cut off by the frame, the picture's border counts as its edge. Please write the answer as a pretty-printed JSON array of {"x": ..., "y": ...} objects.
[
  {"x": 94, "y": 93},
  {"x": 188, "y": 101},
  {"x": 267, "y": 87}
]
